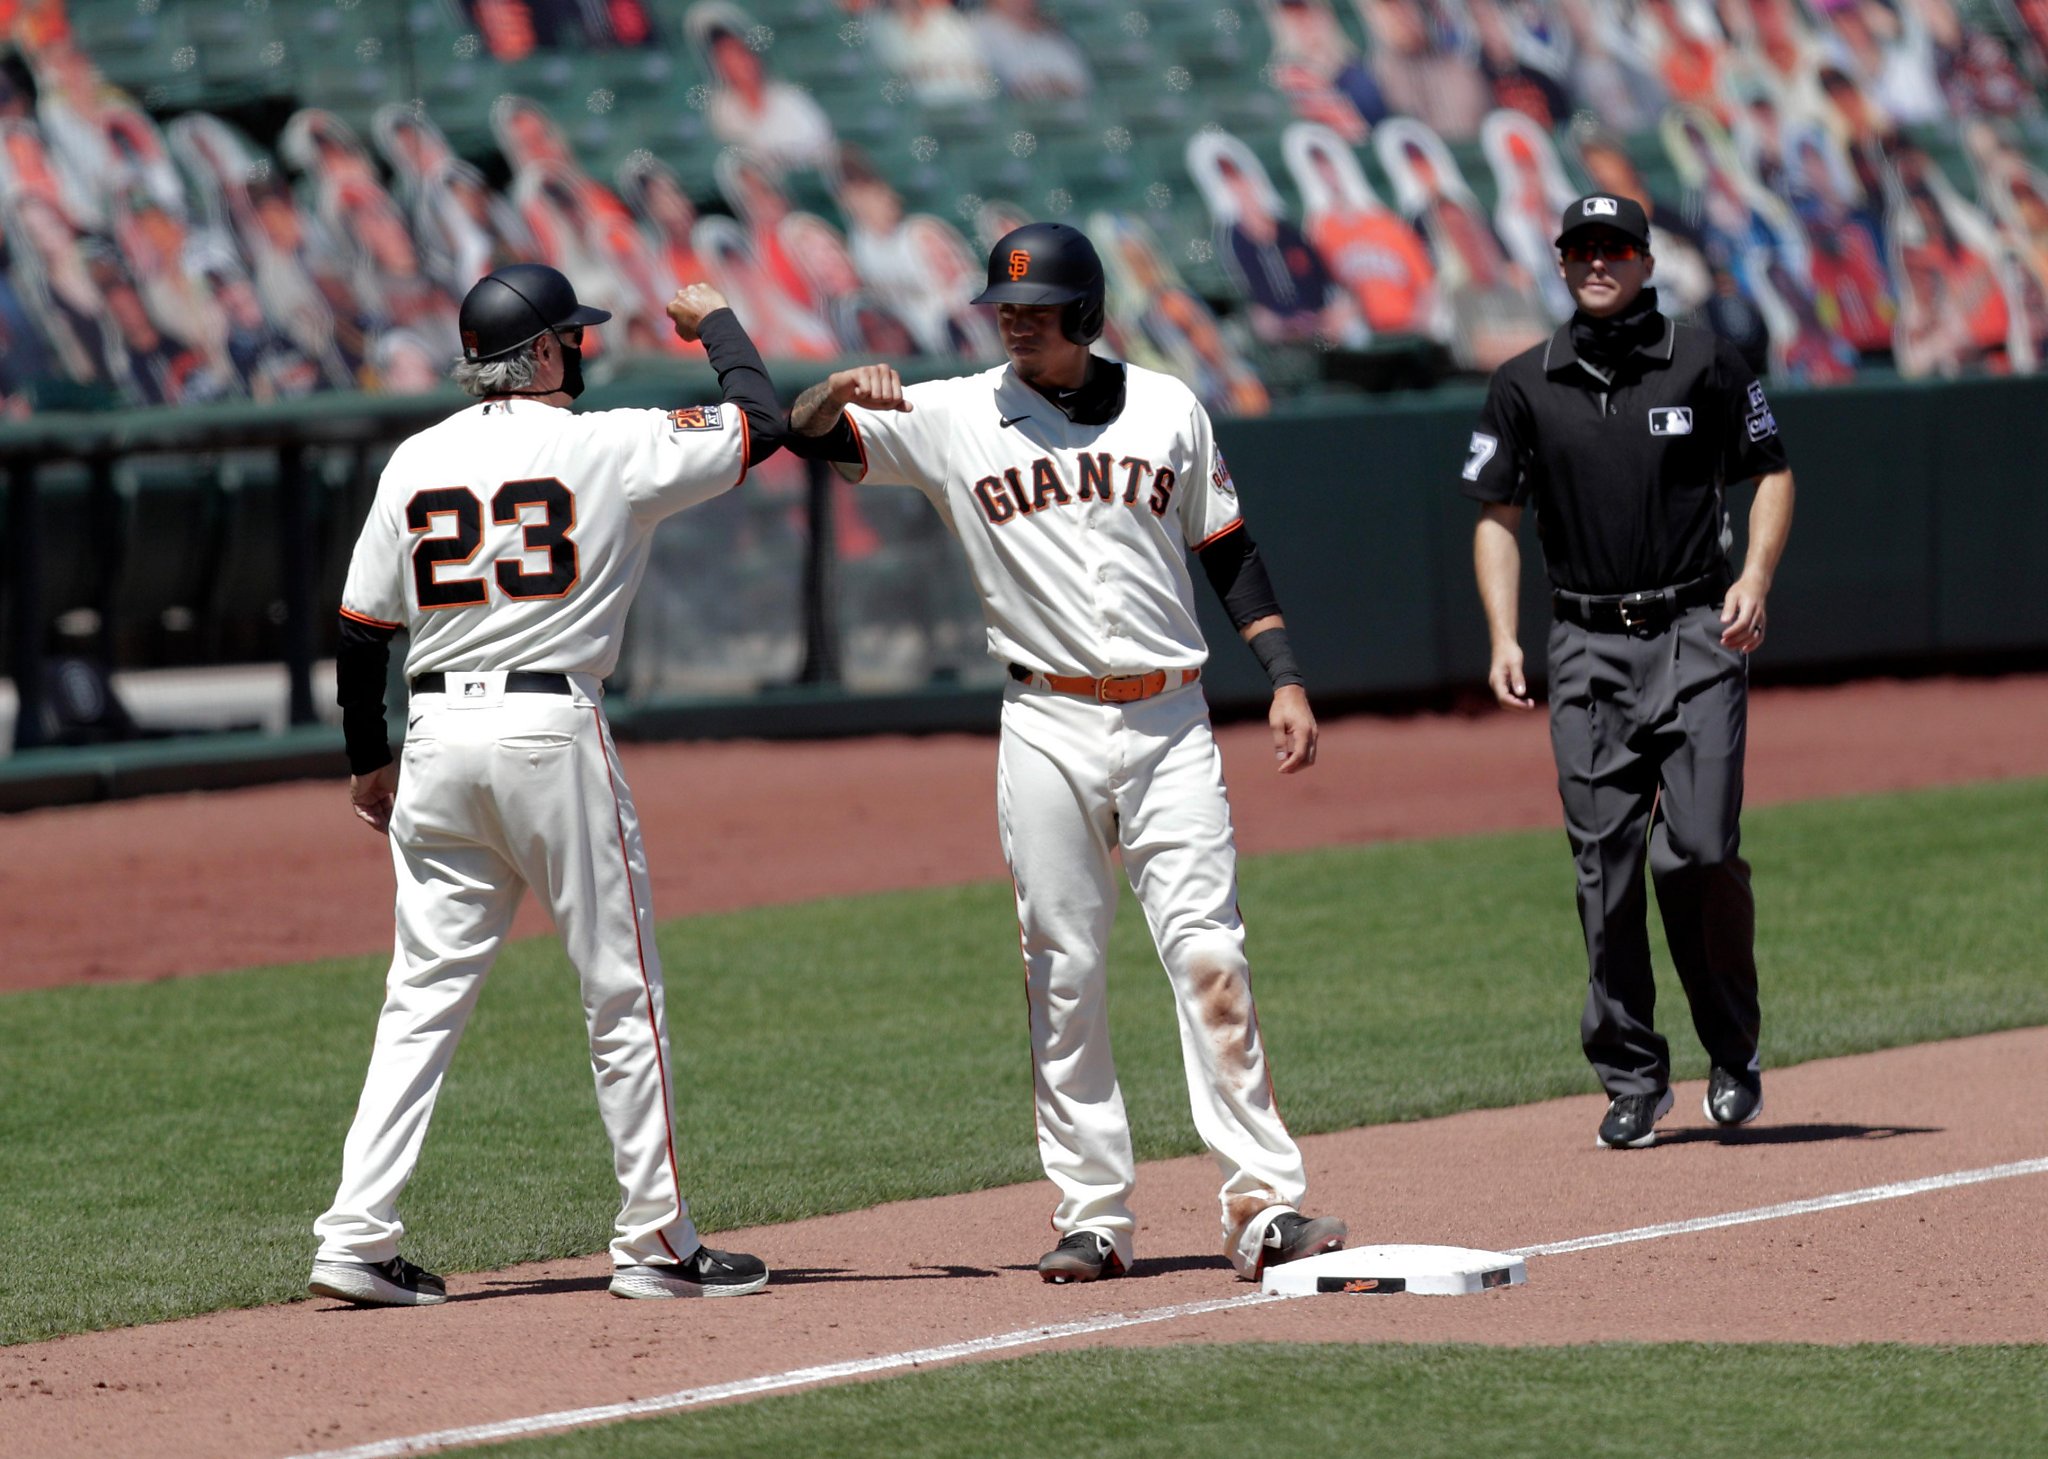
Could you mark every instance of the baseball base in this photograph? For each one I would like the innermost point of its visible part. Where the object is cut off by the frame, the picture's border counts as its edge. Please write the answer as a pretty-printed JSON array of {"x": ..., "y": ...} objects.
[{"x": 1435, "y": 1271}]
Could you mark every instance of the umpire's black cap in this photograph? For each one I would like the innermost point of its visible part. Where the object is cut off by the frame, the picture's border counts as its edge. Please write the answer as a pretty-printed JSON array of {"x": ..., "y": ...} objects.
[
  {"x": 1606, "y": 210},
  {"x": 1049, "y": 263},
  {"x": 516, "y": 305}
]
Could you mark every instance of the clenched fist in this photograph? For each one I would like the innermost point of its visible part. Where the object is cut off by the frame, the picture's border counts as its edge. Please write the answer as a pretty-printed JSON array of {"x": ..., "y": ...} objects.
[
  {"x": 690, "y": 305},
  {"x": 872, "y": 387}
]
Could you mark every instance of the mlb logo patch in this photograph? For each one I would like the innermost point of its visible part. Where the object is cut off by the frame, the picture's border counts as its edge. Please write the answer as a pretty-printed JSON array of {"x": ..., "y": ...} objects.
[
  {"x": 1671, "y": 420},
  {"x": 1600, "y": 208},
  {"x": 1756, "y": 396},
  {"x": 697, "y": 418},
  {"x": 473, "y": 688}
]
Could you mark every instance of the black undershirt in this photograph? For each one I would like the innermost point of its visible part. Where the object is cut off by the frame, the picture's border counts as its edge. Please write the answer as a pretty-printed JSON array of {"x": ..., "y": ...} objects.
[
  {"x": 743, "y": 381},
  {"x": 361, "y": 663}
]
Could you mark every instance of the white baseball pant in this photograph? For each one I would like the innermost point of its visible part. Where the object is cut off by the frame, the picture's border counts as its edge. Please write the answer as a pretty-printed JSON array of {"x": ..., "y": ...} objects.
[
  {"x": 498, "y": 792},
  {"x": 1078, "y": 781}
]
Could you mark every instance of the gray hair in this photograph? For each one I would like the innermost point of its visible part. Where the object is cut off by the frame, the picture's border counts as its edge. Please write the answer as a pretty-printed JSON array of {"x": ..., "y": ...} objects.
[{"x": 497, "y": 377}]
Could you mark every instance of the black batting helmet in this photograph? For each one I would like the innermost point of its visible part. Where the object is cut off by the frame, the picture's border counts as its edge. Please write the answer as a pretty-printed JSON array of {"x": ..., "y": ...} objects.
[
  {"x": 516, "y": 305},
  {"x": 1049, "y": 263}
]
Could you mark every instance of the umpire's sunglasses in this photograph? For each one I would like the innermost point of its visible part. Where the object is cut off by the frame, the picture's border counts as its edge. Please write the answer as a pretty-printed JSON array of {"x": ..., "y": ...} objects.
[{"x": 1614, "y": 250}]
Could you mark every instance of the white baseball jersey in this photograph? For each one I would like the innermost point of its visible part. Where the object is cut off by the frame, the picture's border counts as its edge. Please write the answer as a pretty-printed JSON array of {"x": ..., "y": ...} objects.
[
  {"x": 513, "y": 535},
  {"x": 1077, "y": 535}
]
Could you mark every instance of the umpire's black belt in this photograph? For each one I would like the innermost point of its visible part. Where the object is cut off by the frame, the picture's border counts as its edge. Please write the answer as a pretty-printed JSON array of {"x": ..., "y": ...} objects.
[
  {"x": 1647, "y": 612},
  {"x": 519, "y": 681}
]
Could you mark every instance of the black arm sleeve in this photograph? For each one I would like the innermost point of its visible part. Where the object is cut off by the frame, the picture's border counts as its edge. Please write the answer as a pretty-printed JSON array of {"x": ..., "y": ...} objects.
[
  {"x": 1238, "y": 574},
  {"x": 743, "y": 380},
  {"x": 837, "y": 444},
  {"x": 360, "y": 665}
]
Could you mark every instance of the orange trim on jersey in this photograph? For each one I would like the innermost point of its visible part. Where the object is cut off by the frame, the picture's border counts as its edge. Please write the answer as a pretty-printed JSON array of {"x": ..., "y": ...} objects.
[
  {"x": 746, "y": 445},
  {"x": 1219, "y": 534},
  {"x": 668, "y": 1127},
  {"x": 348, "y": 612},
  {"x": 858, "y": 444}
]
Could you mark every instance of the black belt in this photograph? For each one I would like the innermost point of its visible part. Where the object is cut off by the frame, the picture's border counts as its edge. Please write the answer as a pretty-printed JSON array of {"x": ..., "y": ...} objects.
[
  {"x": 1647, "y": 612},
  {"x": 519, "y": 681}
]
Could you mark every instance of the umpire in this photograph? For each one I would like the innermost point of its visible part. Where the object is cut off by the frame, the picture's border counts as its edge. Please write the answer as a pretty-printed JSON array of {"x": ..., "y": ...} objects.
[{"x": 1623, "y": 431}]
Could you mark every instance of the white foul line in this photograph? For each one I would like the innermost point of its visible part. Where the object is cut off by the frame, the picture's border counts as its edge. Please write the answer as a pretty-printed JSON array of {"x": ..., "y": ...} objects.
[
  {"x": 796, "y": 1378},
  {"x": 574, "y": 1418},
  {"x": 1792, "y": 1208}
]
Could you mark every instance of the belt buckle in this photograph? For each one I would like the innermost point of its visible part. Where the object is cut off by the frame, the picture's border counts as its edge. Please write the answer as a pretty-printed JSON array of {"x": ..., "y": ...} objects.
[
  {"x": 1637, "y": 609},
  {"x": 1122, "y": 689}
]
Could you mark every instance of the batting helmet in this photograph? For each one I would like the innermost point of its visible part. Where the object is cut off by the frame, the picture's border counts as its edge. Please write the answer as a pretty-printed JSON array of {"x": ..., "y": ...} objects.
[
  {"x": 1049, "y": 263},
  {"x": 515, "y": 306}
]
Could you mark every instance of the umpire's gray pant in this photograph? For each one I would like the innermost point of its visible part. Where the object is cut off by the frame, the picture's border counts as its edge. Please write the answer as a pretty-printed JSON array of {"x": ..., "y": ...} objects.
[{"x": 1648, "y": 733}]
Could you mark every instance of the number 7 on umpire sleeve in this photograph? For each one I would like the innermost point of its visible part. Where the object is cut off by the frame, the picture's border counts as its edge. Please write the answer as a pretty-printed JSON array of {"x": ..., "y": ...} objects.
[{"x": 1483, "y": 446}]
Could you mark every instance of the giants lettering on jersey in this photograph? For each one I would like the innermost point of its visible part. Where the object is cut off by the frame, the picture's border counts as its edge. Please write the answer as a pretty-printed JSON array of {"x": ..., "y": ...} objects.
[{"x": 1099, "y": 477}]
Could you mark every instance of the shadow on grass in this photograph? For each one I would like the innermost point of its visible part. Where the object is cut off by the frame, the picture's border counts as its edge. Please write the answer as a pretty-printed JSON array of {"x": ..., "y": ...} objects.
[{"x": 1790, "y": 1134}]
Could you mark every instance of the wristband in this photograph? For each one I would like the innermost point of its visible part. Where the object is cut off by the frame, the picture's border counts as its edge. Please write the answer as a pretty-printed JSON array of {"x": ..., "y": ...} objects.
[{"x": 1276, "y": 657}]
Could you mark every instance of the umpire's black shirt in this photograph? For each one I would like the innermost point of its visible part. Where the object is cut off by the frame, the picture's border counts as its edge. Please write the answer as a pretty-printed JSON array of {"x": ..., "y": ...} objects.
[{"x": 1625, "y": 472}]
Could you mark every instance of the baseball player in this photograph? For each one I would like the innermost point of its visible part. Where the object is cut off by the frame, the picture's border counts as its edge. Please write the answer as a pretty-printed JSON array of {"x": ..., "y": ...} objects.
[
  {"x": 509, "y": 541},
  {"x": 1077, "y": 486}
]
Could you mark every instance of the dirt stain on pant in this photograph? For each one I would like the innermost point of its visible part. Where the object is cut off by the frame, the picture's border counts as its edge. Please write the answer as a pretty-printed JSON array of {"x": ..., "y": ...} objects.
[{"x": 1223, "y": 1003}]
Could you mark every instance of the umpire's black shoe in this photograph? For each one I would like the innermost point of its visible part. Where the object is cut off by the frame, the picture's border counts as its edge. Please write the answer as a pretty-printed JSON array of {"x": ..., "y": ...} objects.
[
  {"x": 393, "y": 1283},
  {"x": 1732, "y": 1098},
  {"x": 1631, "y": 1121},
  {"x": 703, "y": 1273},
  {"x": 1084, "y": 1256}
]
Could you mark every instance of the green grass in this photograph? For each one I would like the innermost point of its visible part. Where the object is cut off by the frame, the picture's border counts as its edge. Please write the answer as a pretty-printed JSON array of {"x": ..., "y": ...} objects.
[
  {"x": 164, "y": 1148},
  {"x": 1685, "y": 1401}
]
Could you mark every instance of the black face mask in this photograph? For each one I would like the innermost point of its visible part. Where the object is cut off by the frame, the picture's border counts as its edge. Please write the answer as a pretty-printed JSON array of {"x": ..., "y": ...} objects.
[
  {"x": 1605, "y": 343},
  {"x": 572, "y": 368}
]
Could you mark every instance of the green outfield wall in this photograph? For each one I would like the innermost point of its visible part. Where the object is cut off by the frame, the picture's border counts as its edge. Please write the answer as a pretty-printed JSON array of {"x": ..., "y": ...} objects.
[
  {"x": 193, "y": 537},
  {"x": 1921, "y": 534}
]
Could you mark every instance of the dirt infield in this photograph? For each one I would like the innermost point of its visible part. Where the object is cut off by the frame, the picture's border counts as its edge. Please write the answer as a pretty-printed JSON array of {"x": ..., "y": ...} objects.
[
  {"x": 196, "y": 883},
  {"x": 167, "y": 887},
  {"x": 1934, "y": 1268}
]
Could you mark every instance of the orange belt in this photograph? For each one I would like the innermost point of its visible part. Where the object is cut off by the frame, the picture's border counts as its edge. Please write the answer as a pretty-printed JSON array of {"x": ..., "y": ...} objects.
[{"x": 1117, "y": 689}]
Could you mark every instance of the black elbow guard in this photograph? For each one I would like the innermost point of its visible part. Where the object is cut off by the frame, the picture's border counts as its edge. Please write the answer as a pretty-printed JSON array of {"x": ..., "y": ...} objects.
[{"x": 1238, "y": 574}]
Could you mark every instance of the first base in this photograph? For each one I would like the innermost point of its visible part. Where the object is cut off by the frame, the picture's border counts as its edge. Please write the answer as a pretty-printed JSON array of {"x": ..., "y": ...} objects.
[{"x": 1435, "y": 1271}]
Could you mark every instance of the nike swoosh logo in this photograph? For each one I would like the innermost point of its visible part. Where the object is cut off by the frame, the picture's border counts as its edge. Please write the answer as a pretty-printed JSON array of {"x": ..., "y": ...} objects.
[{"x": 1012, "y": 420}]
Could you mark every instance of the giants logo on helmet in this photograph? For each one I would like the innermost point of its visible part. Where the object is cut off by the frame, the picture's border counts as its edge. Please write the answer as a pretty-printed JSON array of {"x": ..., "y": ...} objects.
[{"x": 1020, "y": 262}]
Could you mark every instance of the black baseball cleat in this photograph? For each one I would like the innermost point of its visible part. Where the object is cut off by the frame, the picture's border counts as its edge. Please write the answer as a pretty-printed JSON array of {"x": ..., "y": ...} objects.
[
  {"x": 1085, "y": 1256},
  {"x": 703, "y": 1273},
  {"x": 1732, "y": 1098},
  {"x": 393, "y": 1283},
  {"x": 1293, "y": 1236},
  {"x": 1631, "y": 1122}
]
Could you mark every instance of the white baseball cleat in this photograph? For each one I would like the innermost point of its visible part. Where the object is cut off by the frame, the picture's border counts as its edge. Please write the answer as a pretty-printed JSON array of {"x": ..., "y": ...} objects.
[
  {"x": 393, "y": 1283},
  {"x": 703, "y": 1273}
]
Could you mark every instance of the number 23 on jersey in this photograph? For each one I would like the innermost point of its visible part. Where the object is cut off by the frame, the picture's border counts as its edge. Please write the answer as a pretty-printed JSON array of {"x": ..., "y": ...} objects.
[{"x": 449, "y": 525}]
